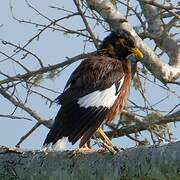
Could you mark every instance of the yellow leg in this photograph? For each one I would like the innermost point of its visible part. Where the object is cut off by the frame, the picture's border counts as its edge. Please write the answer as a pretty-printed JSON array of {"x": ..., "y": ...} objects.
[{"x": 101, "y": 132}]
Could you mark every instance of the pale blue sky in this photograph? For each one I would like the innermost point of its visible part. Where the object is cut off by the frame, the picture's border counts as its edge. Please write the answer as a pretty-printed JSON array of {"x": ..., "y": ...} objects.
[{"x": 51, "y": 48}]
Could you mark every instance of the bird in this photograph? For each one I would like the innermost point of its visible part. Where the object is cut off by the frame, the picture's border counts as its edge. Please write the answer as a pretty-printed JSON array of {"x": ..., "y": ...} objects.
[{"x": 96, "y": 91}]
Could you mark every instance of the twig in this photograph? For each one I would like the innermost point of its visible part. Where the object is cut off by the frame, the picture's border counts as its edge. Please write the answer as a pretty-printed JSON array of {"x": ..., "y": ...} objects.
[
  {"x": 46, "y": 69},
  {"x": 21, "y": 105},
  {"x": 14, "y": 117},
  {"x": 88, "y": 28},
  {"x": 27, "y": 134},
  {"x": 167, "y": 8},
  {"x": 23, "y": 49},
  {"x": 143, "y": 126}
]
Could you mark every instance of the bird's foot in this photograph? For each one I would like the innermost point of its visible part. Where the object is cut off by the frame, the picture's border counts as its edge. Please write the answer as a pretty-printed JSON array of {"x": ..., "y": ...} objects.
[
  {"x": 107, "y": 147},
  {"x": 79, "y": 151}
]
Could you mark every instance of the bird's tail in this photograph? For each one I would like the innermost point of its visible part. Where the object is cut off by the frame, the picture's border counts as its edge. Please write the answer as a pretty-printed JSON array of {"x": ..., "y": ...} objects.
[{"x": 53, "y": 135}]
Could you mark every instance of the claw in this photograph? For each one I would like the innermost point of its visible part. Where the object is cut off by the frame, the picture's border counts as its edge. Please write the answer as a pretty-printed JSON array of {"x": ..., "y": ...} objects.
[{"x": 76, "y": 152}]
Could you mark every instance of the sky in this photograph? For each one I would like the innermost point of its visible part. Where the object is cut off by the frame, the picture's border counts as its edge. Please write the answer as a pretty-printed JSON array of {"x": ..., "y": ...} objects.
[{"x": 52, "y": 47}]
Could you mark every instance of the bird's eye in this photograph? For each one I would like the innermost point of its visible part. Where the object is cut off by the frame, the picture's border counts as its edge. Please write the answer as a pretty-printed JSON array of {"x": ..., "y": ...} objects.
[{"x": 123, "y": 42}]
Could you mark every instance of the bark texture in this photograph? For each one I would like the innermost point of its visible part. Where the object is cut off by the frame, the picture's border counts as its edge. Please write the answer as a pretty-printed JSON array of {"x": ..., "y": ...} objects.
[{"x": 142, "y": 163}]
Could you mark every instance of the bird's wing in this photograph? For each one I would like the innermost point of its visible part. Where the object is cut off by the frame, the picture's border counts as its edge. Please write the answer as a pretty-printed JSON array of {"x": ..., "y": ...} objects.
[{"x": 88, "y": 96}]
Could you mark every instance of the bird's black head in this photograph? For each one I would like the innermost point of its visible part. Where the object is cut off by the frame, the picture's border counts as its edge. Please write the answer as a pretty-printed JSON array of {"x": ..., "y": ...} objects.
[{"x": 121, "y": 44}]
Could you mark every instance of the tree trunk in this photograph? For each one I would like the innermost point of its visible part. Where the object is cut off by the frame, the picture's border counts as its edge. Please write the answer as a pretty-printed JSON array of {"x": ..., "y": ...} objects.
[{"x": 141, "y": 163}]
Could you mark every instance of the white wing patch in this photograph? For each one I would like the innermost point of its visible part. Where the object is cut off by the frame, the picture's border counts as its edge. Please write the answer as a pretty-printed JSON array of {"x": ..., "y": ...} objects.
[
  {"x": 120, "y": 84},
  {"x": 105, "y": 98},
  {"x": 67, "y": 87}
]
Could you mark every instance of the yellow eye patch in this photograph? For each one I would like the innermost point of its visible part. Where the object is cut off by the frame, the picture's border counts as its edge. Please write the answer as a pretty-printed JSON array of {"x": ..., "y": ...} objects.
[{"x": 123, "y": 42}]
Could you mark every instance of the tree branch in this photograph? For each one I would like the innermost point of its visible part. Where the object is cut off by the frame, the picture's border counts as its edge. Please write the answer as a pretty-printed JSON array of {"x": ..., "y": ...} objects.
[
  {"x": 159, "y": 32},
  {"x": 14, "y": 117},
  {"x": 141, "y": 125},
  {"x": 150, "y": 163},
  {"x": 86, "y": 23},
  {"x": 44, "y": 69},
  {"x": 22, "y": 106}
]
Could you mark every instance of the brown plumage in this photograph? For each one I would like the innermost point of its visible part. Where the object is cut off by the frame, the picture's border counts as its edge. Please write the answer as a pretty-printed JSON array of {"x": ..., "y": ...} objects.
[{"x": 96, "y": 91}]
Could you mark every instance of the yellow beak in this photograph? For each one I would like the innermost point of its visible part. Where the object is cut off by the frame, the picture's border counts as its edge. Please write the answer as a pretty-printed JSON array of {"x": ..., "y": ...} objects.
[{"x": 137, "y": 53}]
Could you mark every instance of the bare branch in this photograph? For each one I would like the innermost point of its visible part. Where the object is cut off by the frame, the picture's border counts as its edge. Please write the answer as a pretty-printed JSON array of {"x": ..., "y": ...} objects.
[
  {"x": 28, "y": 134},
  {"x": 142, "y": 125},
  {"x": 165, "y": 7},
  {"x": 89, "y": 29},
  {"x": 23, "y": 49},
  {"x": 43, "y": 70},
  {"x": 160, "y": 32},
  {"x": 21, "y": 105},
  {"x": 14, "y": 117}
]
